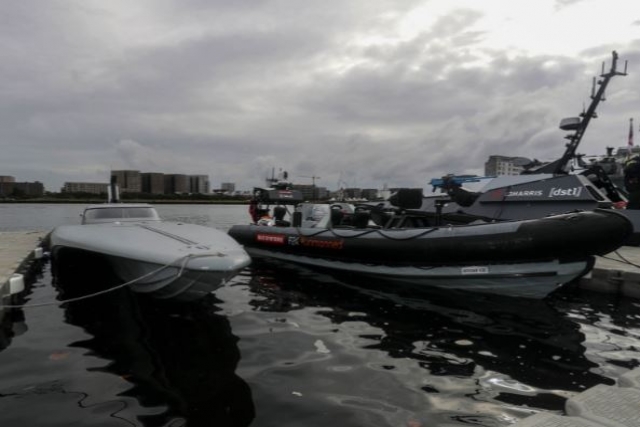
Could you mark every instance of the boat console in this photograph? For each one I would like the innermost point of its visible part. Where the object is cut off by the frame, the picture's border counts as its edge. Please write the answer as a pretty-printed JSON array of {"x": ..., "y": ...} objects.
[{"x": 106, "y": 213}]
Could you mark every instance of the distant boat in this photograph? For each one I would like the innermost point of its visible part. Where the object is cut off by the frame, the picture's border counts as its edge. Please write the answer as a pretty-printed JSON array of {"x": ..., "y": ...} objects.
[
  {"x": 159, "y": 258},
  {"x": 524, "y": 258},
  {"x": 611, "y": 163}
]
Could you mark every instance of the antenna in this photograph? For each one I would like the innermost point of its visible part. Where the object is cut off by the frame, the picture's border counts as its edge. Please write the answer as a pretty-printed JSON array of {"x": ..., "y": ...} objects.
[{"x": 560, "y": 166}]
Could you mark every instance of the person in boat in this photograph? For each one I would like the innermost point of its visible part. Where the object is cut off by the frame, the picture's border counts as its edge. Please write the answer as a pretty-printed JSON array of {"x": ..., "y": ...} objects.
[
  {"x": 257, "y": 212},
  {"x": 632, "y": 181},
  {"x": 253, "y": 210},
  {"x": 279, "y": 213}
]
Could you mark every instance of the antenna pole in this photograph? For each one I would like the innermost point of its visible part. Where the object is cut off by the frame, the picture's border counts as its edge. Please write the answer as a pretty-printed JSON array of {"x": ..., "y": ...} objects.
[{"x": 570, "y": 152}]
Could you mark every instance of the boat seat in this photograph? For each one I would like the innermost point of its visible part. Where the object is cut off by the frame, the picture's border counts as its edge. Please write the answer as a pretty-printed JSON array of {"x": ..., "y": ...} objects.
[
  {"x": 347, "y": 219},
  {"x": 278, "y": 214},
  {"x": 361, "y": 219},
  {"x": 336, "y": 217}
]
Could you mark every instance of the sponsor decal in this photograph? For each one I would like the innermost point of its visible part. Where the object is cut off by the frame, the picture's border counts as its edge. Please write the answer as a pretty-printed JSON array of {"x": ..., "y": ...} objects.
[
  {"x": 293, "y": 240},
  {"x": 285, "y": 194},
  {"x": 553, "y": 192},
  {"x": 524, "y": 193},
  {"x": 474, "y": 270},
  {"x": 570, "y": 192},
  {"x": 311, "y": 242},
  {"x": 271, "y": 239}
]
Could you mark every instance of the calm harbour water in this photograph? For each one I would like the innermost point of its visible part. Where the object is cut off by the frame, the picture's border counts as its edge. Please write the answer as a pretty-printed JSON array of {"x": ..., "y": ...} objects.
[{"x": 283, "y": 346}]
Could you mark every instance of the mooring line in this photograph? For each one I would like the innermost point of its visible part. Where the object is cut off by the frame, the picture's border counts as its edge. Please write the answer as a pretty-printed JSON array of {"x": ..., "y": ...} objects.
[
  {"x": 622, "y": 259},
  {"x": 182, "y": 260}
]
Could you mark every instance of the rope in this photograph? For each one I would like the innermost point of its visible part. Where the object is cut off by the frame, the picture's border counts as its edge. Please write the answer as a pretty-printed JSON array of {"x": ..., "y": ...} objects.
[
  {"x": 182, "y": 260},
  {"x": 622, "y": 259},
  {"x": 361, "y": 233}
]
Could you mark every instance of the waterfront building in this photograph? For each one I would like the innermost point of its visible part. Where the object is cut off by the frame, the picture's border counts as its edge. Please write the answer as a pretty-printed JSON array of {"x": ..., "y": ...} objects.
[
  {"x": 7, "y": 178},
  {"x": 85, "y": 187},
  {"x": 13, "y": 189},
  {"x": 133, "y": 181},
  {"x": 503, "y": 165},
  {"x": 307, "y": 191},
  {"x": 152, "y": 182},
  {"x": 312, "y": 192},
  {"x": 199, "y": 184},
  {"x": 322, "y": 193},
  {"x": 352, "y": 193},
  {"x": 228, "y": 187},
  {"x": 129, "y": 181},
  {"x": 369, "y": 193},
  {"x": 176, "y": 184}
]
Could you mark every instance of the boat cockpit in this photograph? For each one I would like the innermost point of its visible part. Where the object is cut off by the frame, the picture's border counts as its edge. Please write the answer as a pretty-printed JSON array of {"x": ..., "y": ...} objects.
[{"x": 111, "y": 213}]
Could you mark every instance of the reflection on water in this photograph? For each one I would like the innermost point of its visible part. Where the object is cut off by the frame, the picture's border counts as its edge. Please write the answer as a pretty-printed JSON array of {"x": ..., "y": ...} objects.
[
  {"x": 125, "y": 360},
  {"x": 467, "y": 353},
  {"x": 283, "y": 346},
  {"x": 612, "y": 329},
  {"x": 179, "y": 356},
  {"x": 288, "y": 347},
  {"x": 12, "y": 322}
]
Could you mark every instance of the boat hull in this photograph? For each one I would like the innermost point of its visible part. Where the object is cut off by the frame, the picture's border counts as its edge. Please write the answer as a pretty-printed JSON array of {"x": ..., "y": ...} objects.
[
  {"x": 518, "y": 258},
  {"x": 161, "y": 259},
  {"x": 524, "y": 280}
]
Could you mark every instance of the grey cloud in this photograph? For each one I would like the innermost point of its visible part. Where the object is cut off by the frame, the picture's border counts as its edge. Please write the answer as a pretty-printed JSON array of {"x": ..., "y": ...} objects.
[{"x": 234, "y": 89}]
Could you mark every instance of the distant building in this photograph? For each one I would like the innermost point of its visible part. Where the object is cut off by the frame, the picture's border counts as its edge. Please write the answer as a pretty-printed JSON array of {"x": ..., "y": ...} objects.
[
  {"x": 306, "y": 190},
  {"x": 199, "y": 184},
  {"x": 7, "y": 178},
  {"x": 503, "y": 165},
  {"x": 152, "y": 182},
  {"x": 352, "y": 193},
  {"x": 85, "y": 187},
  {"x": 12, "y": 189},
  {"x": 322, "y": 193},
  {"x": 369, "y": 193},
  {"x": 228, "y": 187},
  {"x": 312, "y": 192},
  {"x": 176, "y": 184},
  {"x": 129, "y": 181},
  {"x": 133, "y": 181}
]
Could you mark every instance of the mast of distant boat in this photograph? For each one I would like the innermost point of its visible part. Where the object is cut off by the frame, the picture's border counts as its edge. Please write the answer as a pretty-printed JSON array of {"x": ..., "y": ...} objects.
[{"x": 560, "y": 166}]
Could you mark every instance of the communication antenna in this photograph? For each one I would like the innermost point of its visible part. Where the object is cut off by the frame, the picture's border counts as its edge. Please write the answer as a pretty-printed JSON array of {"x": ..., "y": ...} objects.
[{"x": 560, "y": 166}]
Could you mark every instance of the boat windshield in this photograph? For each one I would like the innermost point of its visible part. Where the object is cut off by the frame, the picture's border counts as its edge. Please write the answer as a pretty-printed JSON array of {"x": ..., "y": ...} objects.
[{"x": 124, "y": 213}]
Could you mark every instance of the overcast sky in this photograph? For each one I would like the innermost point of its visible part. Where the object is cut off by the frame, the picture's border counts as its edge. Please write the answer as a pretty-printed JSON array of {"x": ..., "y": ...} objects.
[{"x": 360, "y": 93}]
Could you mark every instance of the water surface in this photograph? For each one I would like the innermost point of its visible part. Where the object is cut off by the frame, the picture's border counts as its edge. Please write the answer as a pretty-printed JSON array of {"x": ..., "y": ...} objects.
[{"x": 284, "y": 346}]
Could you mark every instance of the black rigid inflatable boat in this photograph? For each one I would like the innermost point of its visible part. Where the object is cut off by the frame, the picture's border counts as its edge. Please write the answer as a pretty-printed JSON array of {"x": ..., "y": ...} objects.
[
  {"x": 524, "y": 258},
  {"x": 520, "y": 235}
]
